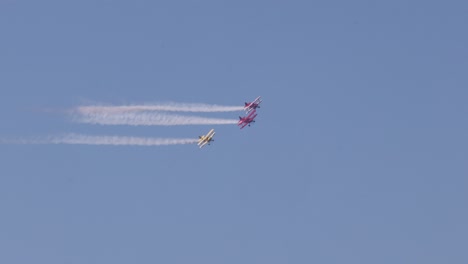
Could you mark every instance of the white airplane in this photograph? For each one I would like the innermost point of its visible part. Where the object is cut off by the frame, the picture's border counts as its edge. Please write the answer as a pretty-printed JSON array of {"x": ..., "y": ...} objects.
[{"x": 206, "y": 139}]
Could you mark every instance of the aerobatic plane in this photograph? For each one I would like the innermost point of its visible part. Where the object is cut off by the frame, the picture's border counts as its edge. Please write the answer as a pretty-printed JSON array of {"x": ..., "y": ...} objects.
[
  {"x": 206, "y": 139},
  {"x": 252, "y": 105},
  {"x": 250, "y": 118}
]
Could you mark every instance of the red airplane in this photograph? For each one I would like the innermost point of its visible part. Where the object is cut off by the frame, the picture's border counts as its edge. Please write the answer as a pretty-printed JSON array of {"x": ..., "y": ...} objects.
[
  {"x": 252, "y": 105},
  {"x": 244, "y": 121}
]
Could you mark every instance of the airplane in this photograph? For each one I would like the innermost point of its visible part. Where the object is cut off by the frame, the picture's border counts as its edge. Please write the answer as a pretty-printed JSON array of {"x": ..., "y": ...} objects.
[
  {"x": 250, "y": 118},
  {"x": 206, "y": 139},
  {"x": 252, "y": 105}
]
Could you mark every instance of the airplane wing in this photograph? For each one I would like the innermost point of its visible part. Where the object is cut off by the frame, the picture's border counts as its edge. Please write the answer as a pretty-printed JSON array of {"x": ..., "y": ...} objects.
[
  {"x": 257, "y": 100},
  {"x": 211, "y": 133},
  {"x": 210, "y": 137},
  {"x": 203, "y": 144},
  {"x": 201, "y": 140}
]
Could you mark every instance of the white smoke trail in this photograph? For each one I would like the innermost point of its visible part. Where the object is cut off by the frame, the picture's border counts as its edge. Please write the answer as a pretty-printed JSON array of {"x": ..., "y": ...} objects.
[
  {"x": 78, "y": 139},
  {"x": 149, "y": 119},
  {"x": 168, "y": 107}
]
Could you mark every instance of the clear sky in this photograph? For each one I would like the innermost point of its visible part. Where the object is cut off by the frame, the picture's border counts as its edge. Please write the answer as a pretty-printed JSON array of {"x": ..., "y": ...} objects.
[{"x": 359, "y": 153}]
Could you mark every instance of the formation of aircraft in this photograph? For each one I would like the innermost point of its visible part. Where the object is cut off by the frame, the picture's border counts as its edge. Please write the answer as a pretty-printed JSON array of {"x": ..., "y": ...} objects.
[
  {"x": 252, "y": 105},
  {"x": 250, "y": 109},
  {"x": 206, "y": 139},
  {"x": 247, "y": 120}
]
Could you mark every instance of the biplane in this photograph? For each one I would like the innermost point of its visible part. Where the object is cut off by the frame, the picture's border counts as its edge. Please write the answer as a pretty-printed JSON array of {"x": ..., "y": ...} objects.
[
  {"x": 206, "y": 139},
  {"x": 252, "y": 105},
  {"x": 247, "y": 120}
]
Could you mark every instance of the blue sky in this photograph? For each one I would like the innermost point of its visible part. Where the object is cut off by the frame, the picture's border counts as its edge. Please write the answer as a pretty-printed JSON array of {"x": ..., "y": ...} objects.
[{"x": 359, "y": 153}]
